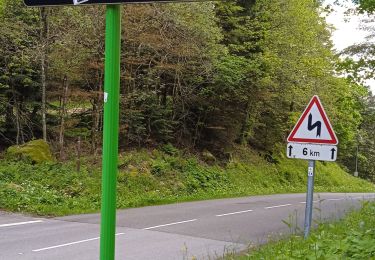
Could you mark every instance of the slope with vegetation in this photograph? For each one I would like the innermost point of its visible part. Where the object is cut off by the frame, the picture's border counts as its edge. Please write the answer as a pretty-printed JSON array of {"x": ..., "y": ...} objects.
[{"x": 159, "y": 176}]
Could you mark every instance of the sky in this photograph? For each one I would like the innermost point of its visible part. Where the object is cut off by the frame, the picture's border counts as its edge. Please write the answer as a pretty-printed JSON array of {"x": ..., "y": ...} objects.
[
  {"x": 347, "y": 27},
  {"x": 347, "y": 30}
]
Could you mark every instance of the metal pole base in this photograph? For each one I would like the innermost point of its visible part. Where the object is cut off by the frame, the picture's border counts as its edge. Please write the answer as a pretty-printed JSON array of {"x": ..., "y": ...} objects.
[{"x": 309, "y": 198}]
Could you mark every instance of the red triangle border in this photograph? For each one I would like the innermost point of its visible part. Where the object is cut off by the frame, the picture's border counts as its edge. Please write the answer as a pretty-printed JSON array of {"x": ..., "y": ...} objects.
[{"x": 333, "y": 141}]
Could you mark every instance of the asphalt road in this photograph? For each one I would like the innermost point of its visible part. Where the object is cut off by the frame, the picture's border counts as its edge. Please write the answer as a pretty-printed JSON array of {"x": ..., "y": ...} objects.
[{"x": 205, "y": 229}]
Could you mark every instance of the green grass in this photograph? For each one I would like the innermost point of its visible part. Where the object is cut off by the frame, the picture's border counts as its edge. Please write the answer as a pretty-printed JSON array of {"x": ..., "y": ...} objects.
[
  {"x": 350, "y": 238},
  {"x": 159, "y": 177}
]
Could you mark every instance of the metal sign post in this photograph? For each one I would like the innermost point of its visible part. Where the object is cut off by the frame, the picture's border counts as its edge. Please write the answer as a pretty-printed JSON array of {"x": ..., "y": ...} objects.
[
  {"x": 309, "y": 197},
  {"x": 110, "y": 131},
  {"x": 312, "y": 139}
]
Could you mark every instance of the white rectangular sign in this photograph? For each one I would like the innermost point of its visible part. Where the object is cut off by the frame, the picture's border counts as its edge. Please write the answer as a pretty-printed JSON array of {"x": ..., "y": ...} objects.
[{"x": 314, "y": 152}]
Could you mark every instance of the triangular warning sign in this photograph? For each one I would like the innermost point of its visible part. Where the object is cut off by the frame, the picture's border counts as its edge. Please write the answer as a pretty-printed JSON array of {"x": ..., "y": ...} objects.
[{"x": 313, "y": 126}]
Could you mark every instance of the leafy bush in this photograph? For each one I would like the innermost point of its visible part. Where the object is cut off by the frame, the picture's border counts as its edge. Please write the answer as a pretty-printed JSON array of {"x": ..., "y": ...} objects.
[
  {"x": 206, "y": 178},
  {"x": 169, "y": 149},
  {"x": 159, "y": 168}
]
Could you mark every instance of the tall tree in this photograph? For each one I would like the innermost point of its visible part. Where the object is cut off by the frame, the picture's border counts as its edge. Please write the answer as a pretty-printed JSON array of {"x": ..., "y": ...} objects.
[
  {"x": 18, "y": 72},
  {"x": 43, "y": 48}
]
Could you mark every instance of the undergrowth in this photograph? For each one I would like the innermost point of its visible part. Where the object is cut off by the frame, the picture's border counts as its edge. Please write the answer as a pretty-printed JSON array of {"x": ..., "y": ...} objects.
[
  {"x": 159, "y": 177},
  {"x": 350, "y": 238}
]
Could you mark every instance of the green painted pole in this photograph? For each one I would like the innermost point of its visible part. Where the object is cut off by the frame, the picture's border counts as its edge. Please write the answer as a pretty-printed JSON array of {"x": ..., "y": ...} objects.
[{"x": 110, "y": 131}]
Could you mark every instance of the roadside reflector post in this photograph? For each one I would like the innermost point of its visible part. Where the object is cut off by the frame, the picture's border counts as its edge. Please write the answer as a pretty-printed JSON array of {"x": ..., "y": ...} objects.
[
  {"x": 309, "y": 197},
  {"x": 110, "y": 131}
]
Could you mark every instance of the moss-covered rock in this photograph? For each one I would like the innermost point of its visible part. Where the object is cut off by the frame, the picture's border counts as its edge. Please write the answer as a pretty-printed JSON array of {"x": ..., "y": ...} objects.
[
  {"x": 37, "y": 151},
  {"x": 208, "y": 157}
]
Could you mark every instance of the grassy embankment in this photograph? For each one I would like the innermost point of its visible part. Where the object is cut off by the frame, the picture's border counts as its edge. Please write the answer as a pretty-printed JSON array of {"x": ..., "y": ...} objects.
[
  {"x": 350, "y": 238},
  {"x": 158, "y": 177}
]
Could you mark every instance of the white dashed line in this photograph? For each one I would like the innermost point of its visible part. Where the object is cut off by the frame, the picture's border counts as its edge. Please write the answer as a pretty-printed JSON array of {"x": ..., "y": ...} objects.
[
  {"x": 334, "y": 199},
  {"x": 67, "y": 244},
  {"x": 315, "y": 201},
  {"x": 171, "y": 224},
  {"x": 233, "y": 213},
  {"x": 278, "y": 206},
  {"x": 20, "y": 223},
  {"x": 70, "y": 244}
]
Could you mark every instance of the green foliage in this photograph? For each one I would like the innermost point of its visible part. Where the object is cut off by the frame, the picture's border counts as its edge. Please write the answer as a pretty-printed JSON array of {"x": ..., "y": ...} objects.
[
  {"x": 200, "y": 75},
  {"x": 47, "y": 188},
  {"x": 18, "y": 72},
  {"x": 209, "y": 179},
  {"x": 366, "y": 142},
  {"x": 166, "y": 74},
  {"x": 146, "y": 119},
  {"x": 351, "y": 238},
  {"x": 169, "y": 149},
  {"x": 37, "y": 151},
  {"x": 366, "y": 5},
  {"x": 78, "y": 131},
  {"x": 159, "y": 168},
  {"x": 156, "y": 177},
  {"x": 362, "y": 108}
]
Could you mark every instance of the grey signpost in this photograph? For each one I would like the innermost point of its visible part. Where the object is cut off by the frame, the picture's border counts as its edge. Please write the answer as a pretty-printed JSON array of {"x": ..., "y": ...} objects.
[
  {"x": 312, "y": 139},
  {"x": 309, "y": 197},
  {"x": 359, "y": 139}
]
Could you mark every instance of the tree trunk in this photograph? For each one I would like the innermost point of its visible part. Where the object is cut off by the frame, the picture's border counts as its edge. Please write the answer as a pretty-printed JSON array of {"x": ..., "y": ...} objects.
[
  {"x": 95, "y": 122},
  {"x": 18, "y": 125},
  {"x": 16, "y": 111},
  {"x": 43, "y": 57},
  {"x": 245, "y": 124},
  {"x": 79, "y": 154},
  {"x": 164, "y": 92},
  {"x": 97, "y": 107},
  {"x": 64, "y": 100}
]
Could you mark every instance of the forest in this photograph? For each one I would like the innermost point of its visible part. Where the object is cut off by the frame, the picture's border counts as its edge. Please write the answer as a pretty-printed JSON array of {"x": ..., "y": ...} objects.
[{"x": 202, "y": 76}]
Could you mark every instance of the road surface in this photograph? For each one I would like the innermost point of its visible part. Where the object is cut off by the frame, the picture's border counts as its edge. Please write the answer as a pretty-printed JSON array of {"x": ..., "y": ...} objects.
[{"x": 204, "y": 229}]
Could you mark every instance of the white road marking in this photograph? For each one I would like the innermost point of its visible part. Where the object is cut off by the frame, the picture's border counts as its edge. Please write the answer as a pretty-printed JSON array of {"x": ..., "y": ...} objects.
[
  {"x": 278, "y": 206},
  {"x": 334, "y": 199},
  {"x": 67, "y": 244},
  {"x": 314, "y": 201},
  {"x": 70, "y": 244},
  {"x": 20, "y": 223},
  {"x": 77, "y": 2},
  {"x": 171, "y": 224},
  {"x": 233, "y": 213}
]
